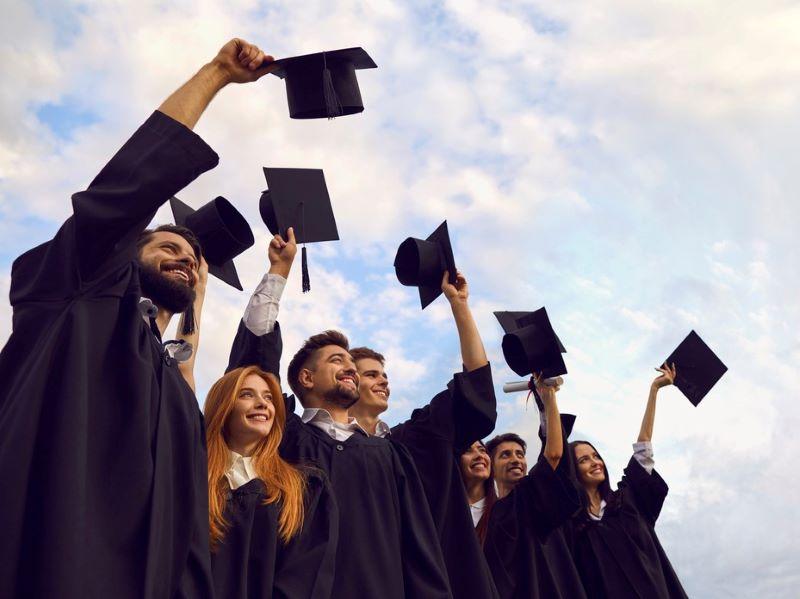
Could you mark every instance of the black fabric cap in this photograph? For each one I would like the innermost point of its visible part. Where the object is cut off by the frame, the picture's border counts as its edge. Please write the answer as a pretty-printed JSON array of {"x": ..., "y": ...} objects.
[
  {"x": 298, "y": 198},
  {"x": 533, "y": 346},
  {"x": 509, "y": 320},
  {"x": 222, "y": 231},
  {"x": 323, "y": 84},
  {"x": 698, "y": 368},
  {"x": 422, "y": 262}
]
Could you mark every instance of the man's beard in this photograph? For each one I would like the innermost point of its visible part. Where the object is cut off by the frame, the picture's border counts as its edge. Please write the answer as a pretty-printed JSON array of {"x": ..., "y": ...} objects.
[
  {"x": 165, "y": 293},
  {"x": 341, "y": 396}
]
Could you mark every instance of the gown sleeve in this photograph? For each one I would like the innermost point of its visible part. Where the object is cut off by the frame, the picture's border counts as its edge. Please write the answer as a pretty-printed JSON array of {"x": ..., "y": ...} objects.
[
  {"x": 647, "y": 490},
  {"x": 159, "y": 160},
  {"x": 305, "y": 566},
  {"x": 462, "y": 413},
  {"x": 264, "y": 351},
  {"x": 424, "y": 572}
]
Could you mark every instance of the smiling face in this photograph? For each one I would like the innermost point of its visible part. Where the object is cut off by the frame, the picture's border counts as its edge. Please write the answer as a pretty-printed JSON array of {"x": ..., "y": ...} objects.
[
  {"x": 589, "y": 465},
  {"x": 509, "y": 463},
  {"x": 475, "y": 464},
  {"x": 252, "y": 416},
  {"x": 330, "y": 376},
  {"x": 172, "y": 256},
  {"x": 168, "y": 270},
  {"x": 373, "y": 386}
]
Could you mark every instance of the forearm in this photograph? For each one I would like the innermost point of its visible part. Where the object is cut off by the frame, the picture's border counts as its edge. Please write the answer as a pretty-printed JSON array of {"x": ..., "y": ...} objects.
[
  {"x": 187, "y": 368},
  {"x": 554, "y": 444},
  {"x": 473, "y": 354},
  {"x": 646, "y": 431},
  {"x": 187, "y": 103}
]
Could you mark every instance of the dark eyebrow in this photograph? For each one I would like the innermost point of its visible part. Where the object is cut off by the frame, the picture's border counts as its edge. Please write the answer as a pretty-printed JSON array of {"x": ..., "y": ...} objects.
[
  {"x": 370, "y": 372},
  {"x": 336, "y": 355}
]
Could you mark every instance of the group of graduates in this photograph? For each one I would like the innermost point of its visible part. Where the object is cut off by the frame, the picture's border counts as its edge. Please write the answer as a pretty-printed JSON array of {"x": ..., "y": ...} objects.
[{"x": 115, "y": 485}]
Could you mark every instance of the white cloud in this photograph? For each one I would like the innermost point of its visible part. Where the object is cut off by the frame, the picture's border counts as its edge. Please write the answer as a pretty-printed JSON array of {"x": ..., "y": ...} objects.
[{"x": 629, "y": 165}]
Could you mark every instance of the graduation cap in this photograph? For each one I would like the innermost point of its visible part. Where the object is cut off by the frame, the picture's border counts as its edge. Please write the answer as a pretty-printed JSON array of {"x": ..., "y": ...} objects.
[
  {"x": 530, "y": 345},
  {"x": 222, "y": 231},
  {"x": 698, "y": 368},
  {"x": 422, "y": 262},
  {"x": 323, "y": 84},
  {"x": 298, "y": 198}
]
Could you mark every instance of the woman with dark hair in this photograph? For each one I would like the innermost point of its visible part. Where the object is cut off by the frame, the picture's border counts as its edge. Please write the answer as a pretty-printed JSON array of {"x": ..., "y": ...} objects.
[
  {"x": 273, "y": 526},
  {"x": 615, "y": 544},
  {"x": 476, "y": 472}
]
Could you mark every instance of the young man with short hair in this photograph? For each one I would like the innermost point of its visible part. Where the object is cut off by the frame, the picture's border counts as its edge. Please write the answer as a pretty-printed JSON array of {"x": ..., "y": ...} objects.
[
  {"x": 525, "y": 545},
  {"x": 436, "y": 434},
  {"x": 387, "y": 546},
  {"x": 101, "y": 440}
]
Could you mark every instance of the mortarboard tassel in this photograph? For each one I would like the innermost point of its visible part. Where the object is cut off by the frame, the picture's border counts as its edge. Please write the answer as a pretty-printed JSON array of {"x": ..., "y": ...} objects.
[
  {"x": 188, "y": 320},
  {"x": 306, "y": 279},
  {"x": 332, "y": 104}
]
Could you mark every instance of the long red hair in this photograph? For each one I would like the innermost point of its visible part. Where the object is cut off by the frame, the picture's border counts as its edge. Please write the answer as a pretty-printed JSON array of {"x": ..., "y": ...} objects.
[{"x": 285, "y": 483}]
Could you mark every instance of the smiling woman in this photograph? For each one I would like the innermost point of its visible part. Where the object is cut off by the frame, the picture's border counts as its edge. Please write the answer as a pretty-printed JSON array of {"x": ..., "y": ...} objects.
[{"x": 265, "y": 515}]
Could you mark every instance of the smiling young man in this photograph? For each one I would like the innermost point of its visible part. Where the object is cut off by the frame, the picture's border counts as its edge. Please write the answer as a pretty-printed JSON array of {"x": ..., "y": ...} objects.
[
  {"x": 436, "y": 434},
  {"x": 101, "y": 440},
  {"x": 387, "y": 545},
  {"x": 525, "y": 543}
]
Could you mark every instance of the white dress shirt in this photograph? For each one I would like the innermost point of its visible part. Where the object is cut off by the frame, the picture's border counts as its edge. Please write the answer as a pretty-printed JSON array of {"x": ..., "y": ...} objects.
[
  {"x": 323, "y": 420},
  {"x": 179, "y": 350},
  {"x": 477, "y": 509},
  {"x": 241, "y": 471},
  {"x": 643, "y": 452},
  {"x": 261, "y": 312}
]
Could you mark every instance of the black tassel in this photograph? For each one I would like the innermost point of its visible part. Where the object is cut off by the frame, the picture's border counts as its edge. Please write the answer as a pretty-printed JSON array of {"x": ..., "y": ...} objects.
[
  {"x": 332, "y": 104},
  {"x": 188, "y": 321},
  {"x": 306, "y": 279}
]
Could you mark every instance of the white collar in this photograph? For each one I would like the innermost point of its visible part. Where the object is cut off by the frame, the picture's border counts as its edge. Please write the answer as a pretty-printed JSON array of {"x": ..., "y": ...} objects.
[
  {"x": 602, "y": 510},
  {"x": 323, "y": 416},
  {"x": 241, "y": 470},
  {"x": 480, "y": 503},
  {"x": 177, "y": 349}
]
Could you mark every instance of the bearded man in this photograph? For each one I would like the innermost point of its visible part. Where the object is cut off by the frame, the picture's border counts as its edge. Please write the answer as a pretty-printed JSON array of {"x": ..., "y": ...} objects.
[{"x": 102, "y": 449}]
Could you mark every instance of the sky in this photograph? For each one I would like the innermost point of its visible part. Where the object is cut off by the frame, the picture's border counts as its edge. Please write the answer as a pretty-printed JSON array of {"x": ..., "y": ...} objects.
[{"x": 630, "y": 165}]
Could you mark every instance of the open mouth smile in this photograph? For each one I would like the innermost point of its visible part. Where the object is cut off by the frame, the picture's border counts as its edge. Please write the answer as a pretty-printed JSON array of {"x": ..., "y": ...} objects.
[
  {"x": 260, "y": 417},
  {"x": 348, "y": 380},
  {"x": 178, "y": 271}
]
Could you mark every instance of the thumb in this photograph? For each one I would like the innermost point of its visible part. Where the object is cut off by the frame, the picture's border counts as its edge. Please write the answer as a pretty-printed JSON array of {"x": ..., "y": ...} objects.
[{"x": 290, "y": 235}]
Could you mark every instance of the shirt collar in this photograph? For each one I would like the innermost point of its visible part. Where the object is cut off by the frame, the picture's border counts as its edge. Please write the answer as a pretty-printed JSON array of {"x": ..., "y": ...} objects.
[
  {"x": 323, "y": 416},
  {"x": 241, "y": 470}
]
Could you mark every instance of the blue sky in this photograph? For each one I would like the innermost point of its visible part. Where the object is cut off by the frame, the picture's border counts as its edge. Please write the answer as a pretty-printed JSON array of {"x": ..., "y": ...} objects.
[{"x": 630, "y": 166}]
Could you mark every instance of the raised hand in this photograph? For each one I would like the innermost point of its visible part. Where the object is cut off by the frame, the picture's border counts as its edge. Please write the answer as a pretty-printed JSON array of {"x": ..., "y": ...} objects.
[
  {"x": 242, "y": 62},
  {"x": 281, "y": 253},
  {"x": 457, "y": 293},
  {"x": 546, "y": 392},
  {"x": 667, "y": 376}
]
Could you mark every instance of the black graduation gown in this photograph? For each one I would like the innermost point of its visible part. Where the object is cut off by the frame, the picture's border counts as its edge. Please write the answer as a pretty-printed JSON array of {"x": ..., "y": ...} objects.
[
  {"x": 388, "y": 547},
  {"x": 620, "y": 555},
  {"x": 435, "y": 435},
  {"x": 252, "y": 562},
  {"x": 527, "y": 554},
  {"x": 102, "y": 447}
]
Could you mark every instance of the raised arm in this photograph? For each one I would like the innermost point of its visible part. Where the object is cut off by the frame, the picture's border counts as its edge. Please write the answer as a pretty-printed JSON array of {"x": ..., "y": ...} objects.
[
  {"x": 258, "y": 340},
  {"x": 554, "y": 444},
  {"x": 667, "y": 377},
  {"x": 473, "y": 355},
  {"x": 237, "y": 62},
  {"x": 187, "y": 367},
  {"x": 159, "y": 160}
]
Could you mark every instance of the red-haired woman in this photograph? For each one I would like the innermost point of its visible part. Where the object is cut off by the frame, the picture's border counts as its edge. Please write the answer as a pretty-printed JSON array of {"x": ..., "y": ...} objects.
[
  {"x": 273, "y": 525},
  {"x": 615, "y": 544}
]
